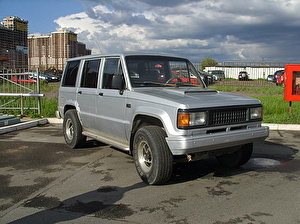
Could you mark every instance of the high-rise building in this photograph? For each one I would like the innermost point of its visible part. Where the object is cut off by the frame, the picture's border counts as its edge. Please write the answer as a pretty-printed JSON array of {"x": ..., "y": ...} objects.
[
  {"x": 52, "y": 51},
  {"x": 13, "y": 43}
]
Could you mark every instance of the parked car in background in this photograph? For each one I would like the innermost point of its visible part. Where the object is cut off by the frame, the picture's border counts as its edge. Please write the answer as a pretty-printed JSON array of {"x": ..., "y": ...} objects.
[
  {"x": 22, "y": 78},
  {"x": 31, "y": 75},
  {"x": 208, "y": 79},
  {"x": 243, "y": 76},
  {"x": 280, "y": 79},
  {"x": 277, "y": 74},
  {"x": 50, "y": 78},
  {"x": 218, "y": 75},
  {"x": 45, "y": 77},
  {"x": 182, "y": 77},
  {"x": 270, "y": 78}
]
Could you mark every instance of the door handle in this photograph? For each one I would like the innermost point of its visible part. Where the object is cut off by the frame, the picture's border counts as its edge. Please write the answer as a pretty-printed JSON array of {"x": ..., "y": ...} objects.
[
  {"x": 80, "y": 92},
  {"x": 101, "y": 94}
]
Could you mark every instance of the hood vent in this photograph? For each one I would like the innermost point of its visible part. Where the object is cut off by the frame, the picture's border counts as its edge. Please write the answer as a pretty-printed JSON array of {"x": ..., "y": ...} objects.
[{"x": 201, "y": 91}]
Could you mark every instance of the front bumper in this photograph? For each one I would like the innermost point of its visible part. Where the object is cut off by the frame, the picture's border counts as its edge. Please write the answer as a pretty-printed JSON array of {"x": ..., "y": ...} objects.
[{"x": 181, "y": 145}]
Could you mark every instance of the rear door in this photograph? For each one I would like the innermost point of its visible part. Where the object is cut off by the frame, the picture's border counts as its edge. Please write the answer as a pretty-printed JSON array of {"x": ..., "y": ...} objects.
[{"x": 87, "y": 93}]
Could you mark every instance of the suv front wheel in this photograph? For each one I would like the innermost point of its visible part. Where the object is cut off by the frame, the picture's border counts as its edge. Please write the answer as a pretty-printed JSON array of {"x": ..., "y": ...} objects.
[
  {"x": 152, "y": 156},
  {"x": 72, "y": 130}
]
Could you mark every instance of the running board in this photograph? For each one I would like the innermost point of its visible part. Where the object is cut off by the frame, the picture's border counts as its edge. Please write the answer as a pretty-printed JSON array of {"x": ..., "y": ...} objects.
[{"x": 108, "y": 141}]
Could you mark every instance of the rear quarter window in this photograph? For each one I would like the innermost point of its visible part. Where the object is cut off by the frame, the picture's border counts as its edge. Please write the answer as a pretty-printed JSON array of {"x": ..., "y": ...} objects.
[{"x": 70, "y": 75}]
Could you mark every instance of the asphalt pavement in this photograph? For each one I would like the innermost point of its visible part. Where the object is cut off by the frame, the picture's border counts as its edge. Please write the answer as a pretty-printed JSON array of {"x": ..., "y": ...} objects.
[{"x": 44, "y": 181}]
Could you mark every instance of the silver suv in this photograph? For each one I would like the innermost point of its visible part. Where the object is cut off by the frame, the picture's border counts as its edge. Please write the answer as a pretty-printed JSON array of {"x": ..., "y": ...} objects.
[{"x": 158, "y": 109}]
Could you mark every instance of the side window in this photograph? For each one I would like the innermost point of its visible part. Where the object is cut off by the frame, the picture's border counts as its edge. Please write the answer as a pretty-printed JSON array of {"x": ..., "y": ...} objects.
[
  {"x": 90, "y": 73},
  {"x": 112, "y": 70},
  {"x": 70, "y": 75}
]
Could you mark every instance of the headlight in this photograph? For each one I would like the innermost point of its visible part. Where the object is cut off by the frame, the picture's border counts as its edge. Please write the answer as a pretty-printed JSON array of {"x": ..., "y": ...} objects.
[
  {"x": 255, "y": 113},
  {"x": 190, "y": 119}
]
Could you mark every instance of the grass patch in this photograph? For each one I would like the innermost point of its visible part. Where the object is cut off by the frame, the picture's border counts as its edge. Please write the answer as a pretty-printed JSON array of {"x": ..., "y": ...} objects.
[
  {"x": 47, "y": 87},
  {"x": 260, "y": 90},
  {"x": 276, "y": 110},
  {"x": 8, "y": 87},
  {"x": 48, "y": 105}
]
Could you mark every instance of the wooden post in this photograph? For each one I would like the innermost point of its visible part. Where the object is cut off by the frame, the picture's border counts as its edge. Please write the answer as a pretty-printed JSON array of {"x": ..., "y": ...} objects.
[{"x": 290, "y": 108}]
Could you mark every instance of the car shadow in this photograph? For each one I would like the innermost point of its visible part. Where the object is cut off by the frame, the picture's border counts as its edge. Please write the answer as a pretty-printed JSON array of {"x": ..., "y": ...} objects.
[
  {"x": 100, "y": 203},
  {"x": 91, "y": 143},
  {"x": 266, "y": 157}
]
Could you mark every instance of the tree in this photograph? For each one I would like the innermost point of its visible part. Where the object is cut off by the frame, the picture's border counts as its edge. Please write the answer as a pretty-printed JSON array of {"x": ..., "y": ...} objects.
[{"x": 207, "y": 62}]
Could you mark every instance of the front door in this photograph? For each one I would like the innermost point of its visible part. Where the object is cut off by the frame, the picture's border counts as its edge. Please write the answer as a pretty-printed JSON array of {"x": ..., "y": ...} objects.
[{"x": 111, "y": 102}]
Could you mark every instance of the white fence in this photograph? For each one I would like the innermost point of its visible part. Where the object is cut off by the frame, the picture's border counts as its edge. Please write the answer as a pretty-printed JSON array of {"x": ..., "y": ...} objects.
[{"x": 254, "y": 72}]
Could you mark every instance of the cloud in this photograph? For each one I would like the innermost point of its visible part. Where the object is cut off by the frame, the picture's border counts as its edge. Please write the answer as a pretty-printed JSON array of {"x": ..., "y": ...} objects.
[
  {"x": 226, "y": 30},
  {"x": 35, "y": 34}
]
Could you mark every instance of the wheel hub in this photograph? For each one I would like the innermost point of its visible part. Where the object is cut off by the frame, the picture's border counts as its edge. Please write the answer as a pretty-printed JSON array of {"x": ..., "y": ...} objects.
[
  {"x": 69, "y": 129},
  {"x": 145, "y": 156}
]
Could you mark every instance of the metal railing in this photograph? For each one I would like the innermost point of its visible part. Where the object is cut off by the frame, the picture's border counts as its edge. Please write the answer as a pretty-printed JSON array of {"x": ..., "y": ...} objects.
[{"x": 20, "y": 91}]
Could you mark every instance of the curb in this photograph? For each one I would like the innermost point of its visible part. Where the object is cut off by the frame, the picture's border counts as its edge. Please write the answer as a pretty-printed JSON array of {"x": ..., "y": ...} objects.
[
  {"x": 23, "y": 125},
  {"x": 283, "y": 127},
  {"x": 53, "y": 120}
]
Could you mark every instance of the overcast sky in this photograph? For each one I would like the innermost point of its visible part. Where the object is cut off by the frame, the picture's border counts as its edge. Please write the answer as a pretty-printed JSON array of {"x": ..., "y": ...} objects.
[{"x": 225, "y": 30}]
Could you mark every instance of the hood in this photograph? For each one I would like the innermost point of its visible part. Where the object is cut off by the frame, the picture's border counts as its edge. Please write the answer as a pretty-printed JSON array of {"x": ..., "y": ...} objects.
[{"x": 193, "y": 97}]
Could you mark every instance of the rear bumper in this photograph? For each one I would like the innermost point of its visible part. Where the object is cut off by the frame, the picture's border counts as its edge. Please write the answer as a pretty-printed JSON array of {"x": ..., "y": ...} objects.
[{"x": 181, "y": 145}]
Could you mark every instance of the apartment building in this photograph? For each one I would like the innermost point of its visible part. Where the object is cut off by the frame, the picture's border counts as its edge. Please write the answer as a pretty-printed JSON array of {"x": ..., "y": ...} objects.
[
  {"x": 13, "y": 44},
  {"x": 52, "y": 51}
]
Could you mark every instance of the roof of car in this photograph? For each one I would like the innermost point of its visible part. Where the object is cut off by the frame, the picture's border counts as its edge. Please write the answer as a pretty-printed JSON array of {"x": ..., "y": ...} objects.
[{"x": 124, "y": 55}]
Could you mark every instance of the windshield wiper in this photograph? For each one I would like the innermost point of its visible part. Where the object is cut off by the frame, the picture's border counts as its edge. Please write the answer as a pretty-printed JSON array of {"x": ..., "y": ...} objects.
[
  {"x": 177, "y": 84},
  {"x": 148, "y": 83}
]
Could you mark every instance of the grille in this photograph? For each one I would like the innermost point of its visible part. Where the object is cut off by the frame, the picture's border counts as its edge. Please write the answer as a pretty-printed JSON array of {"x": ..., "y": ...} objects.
[{"x": 227, "y": 116}]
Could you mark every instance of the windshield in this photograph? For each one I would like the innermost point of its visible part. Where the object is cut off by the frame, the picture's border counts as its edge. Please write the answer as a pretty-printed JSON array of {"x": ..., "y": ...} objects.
[{"x": 161, "y": 71}]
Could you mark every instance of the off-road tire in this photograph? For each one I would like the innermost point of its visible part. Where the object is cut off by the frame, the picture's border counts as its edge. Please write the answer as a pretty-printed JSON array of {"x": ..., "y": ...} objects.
[
  {"x": 72, "y": 130},
  {"x": 152, "y": 156}
]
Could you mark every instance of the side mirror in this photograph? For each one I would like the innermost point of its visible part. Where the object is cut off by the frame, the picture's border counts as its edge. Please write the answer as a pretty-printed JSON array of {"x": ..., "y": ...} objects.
[{"x": 118, "y": 82}]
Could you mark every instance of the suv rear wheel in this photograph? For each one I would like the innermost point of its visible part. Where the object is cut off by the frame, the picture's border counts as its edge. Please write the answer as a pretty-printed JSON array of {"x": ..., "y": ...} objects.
[
  {"x": 152, "y": 156},
  {"x": 72, "y": 130}
]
